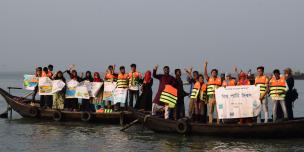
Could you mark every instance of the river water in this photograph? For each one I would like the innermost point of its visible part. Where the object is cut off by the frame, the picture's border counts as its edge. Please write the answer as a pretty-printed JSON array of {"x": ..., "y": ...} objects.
[{"x": 20, "y": 134}]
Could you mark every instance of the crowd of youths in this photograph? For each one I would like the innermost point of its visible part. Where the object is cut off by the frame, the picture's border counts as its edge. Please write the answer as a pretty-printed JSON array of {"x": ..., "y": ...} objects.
[
  {"x": 133, "y": 81},
  {"x": 169, "y": 99}
]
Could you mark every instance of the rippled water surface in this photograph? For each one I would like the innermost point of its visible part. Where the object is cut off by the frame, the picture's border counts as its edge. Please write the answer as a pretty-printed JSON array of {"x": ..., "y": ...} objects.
[{"x": 26, "y": 135}]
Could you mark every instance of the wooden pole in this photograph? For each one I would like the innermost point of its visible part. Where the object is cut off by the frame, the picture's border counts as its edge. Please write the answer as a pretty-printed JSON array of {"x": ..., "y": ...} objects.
[{"x": 130, "y": 125}]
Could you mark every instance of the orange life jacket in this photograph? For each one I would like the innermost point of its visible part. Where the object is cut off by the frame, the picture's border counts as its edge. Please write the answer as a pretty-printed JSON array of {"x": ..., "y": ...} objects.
[
  {"x": 230, "y": 83},
  {"x": 122, "y": 80},
  {"x": 247, "y": 82},
  {"x": 195, "y": 90},
  {"x": 134, "y": 78},
  {"x": 101, "y": 110},
  {"x": 169, "y": 96},
  {"x": 49, "y": 74},
  {"x": 203, "y": 93},
  {"x": 213, "y": 84},
  {"x": 110, "y": 77},
  {"x": 278, "y": 88},
  {"x": 262, "y": 82}
]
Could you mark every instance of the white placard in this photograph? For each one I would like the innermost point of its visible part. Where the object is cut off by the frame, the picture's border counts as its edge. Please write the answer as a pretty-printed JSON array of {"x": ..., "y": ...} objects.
[{"x": 238, "y": 101}]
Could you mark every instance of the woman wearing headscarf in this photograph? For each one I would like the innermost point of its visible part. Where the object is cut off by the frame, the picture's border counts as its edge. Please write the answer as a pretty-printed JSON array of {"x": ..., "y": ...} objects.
[
  {"x": 86, "y": 104},
  {"x": 97, "y": 101},
  {"x": 59, "y": 97},
  {"x": 291, "y": 94},
  {"x": 72, "y": 103},
  {"x": 145, "y": 99}
]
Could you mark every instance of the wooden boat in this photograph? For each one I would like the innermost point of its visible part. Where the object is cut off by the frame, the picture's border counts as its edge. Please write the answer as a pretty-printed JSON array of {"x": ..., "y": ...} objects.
[
  {"x": 293, "y": 128},
  {"x": 25, "y": 109}
]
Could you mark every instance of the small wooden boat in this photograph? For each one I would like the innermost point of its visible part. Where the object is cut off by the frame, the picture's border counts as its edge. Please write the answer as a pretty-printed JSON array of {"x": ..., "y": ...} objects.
[
  {"x": 25, "y": 109},
  {"x": 293, "y": 128}
]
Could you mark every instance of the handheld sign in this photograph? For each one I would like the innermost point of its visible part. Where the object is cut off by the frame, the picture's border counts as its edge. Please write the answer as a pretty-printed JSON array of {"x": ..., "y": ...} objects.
[
  {"x": 238, "y": 101},
  {"x": 109, "y": 88},
  {"x": 95, "y": 88},
  {"x": 45, "y": 86},
  {"x": 82, "y": 92},
  {"x": 120, "y": 95},
  {"x": 30, "y": 82},
  {"x": 57, "y": 85},
  {"x": 71, "y": 89}
]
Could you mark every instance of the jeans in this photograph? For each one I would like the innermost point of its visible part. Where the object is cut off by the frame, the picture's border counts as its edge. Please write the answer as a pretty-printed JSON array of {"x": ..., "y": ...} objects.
[
  {"x": 264, "y": 107},
  {"x": 275, "y": 106}
]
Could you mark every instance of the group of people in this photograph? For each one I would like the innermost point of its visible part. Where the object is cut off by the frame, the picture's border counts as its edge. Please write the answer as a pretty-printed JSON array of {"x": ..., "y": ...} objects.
[
  {"x": 202, "y": 105},
  {"x": 169, "y": 99},
  {"x": 133, "y": 81}
]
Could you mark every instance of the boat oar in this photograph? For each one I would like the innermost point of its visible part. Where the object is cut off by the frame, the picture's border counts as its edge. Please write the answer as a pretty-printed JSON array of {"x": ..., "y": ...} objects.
[
  {"x": 28, "y": 95},
  {"x": 129, "y": 125}
]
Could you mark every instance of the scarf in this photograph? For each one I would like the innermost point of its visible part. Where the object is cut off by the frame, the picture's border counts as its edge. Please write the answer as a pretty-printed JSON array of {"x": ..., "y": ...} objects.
[
  {"x": 97, "y": 77},
  {"x": 148, "y": 77}
]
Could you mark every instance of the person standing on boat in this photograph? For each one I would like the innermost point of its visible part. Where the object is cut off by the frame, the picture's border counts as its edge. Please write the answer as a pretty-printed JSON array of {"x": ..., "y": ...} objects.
[
  {"x": 59, "y": 97},
  {"x": 199, "y": 98},
  {"x": 164, "y": 79},
  {"x": 72, "y": 103},
  {"x": 110, "y": 76},
  {"x": 86, "y": 103},
  {"x": 135, "y": 79},
  {"x": 145, "y": 99},
  {"x": 38, "y": 73},
  {"x": 214, "y": 82},
  {"x": 97, "y": 101},
  {"x": 123, "y": 83},
  {"x": 244, "y": 81},
  {"x": 181, "y": 94},
  {"x": 50, "y": 70},
  {"x": 262, "y": 81},
  {"x": 229, "y": 81},
  {"x": 278, "y": 88},
  {"x": 291, "y": 94},
  {"x": 48, "y": 99},
  {"x": 192, "y": 79}
]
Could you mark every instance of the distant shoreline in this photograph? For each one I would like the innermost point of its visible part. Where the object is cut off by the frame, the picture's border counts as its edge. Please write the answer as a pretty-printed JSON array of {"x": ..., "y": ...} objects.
[{"x": 301, "y": 77}]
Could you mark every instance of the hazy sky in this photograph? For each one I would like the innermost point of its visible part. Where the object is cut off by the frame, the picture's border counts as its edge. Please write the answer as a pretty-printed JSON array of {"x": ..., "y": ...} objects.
[{"x": 178, "y": 33}]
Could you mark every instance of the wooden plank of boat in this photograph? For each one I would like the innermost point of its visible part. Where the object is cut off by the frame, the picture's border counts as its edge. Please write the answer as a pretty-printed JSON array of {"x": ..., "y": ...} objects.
[
  {"x": 22, "y": 106},
  {"x": 293, "y": 128}
]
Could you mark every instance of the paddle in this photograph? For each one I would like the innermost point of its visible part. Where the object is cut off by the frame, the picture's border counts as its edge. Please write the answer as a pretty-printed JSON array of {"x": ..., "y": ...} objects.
[{"x": 129, "y": 125}]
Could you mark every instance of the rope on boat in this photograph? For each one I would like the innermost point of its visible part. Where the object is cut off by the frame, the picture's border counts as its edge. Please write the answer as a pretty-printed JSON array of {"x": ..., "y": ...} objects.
[{"x": 146, "y": 118}]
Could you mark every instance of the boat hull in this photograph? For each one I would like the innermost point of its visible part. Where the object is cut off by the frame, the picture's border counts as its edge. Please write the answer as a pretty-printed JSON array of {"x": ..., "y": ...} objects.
[
  {"x": 28, "y": 111},
  {"x": 293, "y": 128}
]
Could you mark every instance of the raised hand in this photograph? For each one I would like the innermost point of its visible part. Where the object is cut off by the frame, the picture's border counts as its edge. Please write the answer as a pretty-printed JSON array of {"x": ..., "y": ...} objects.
[
  {"x": 206, "y": 63},
  {"x": 156, "y": 67}
]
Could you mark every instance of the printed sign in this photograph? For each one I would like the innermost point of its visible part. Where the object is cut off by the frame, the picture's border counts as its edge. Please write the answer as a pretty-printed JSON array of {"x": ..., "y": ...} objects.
[
  {"x": 238, "y": 101},
  {"x": 45, "y": 86},
  {"x": 82, "y": 92},
  {"x": 95, "y": 88},
  {"x": 71, "y": 89},
  {"x": 108, "y": 91},
  {"x": 58, "y": 85},
  {"x": 120, "y": 95}
]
